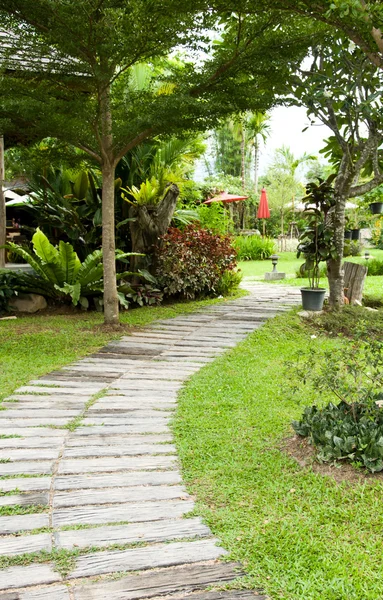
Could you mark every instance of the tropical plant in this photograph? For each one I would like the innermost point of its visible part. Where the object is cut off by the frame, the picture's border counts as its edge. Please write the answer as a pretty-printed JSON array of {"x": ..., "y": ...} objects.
[
  {"x": 229, "y": 283},
  {"x": 59, "y": 273},
  {"x": 316, "y": 242},
  {"x": 7, "y": 289},
  {"x": 258, "y": 128},
  {"x": 253, "y": 247},
  {"x": 191, "y": 262}
]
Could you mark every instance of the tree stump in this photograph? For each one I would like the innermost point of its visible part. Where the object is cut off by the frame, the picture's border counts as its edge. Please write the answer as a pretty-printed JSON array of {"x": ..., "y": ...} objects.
[{"x": 354, "y": 277}]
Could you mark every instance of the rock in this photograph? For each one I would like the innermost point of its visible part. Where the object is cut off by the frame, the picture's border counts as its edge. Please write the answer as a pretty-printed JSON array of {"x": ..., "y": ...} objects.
[
  {"x": 28, "y": 303},
  {"x": 274, "y": 275},
  {"x": 309, "y": 314}
]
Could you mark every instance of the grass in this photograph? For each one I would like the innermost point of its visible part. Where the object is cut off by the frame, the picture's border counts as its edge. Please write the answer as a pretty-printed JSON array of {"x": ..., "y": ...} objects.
[
  {"x": 32, "y": 346},
  {"x": 299, "y": 534},
  {"x": 289, "y": 263}
]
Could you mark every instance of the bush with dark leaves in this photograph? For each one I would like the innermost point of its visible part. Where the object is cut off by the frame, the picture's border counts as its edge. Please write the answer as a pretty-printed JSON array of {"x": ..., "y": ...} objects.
[{"x": 191, "y": 262}]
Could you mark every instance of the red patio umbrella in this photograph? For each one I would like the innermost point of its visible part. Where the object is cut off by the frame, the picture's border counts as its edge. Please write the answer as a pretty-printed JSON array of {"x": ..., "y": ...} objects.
[
  {"x": 263, "y": 209},
  {"x": 226, "y": 198}
]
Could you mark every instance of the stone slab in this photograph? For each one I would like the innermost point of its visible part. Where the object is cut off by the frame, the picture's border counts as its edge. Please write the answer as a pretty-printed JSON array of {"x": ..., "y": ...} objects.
[
  {"x": 29, "y": 484},
  {"x": 128, "y": 419},
  {"x": 48, "y": 593},
  {"x": 24, "y": 499},
  {"x": 134, "y": 450},
  {"x": 26, "y": 468},
  {"x": 56, "y": 405},
  {"x": 6, "y": 423},
  {"x": 36, "y": 432},
  {"x": 120, "y": 495},
  {"x": 163, "y": 555},
  {"x": 44, "y": 412},
  {"x": 76, "y": 482},
  {"x": 37, "y": 442},
  {"x": 35, "y": 574},
  {"x": 58, "y": 383},
  {"x": 161, "y": 583},
  {"x": 116, "y": 513},
  {"x": 134, "y": 429},
  {"x": 44, "y": 390},
  {"x": 12, "y": 546},
  {"x": 128, "y": 405},
  {"x": 15, "y": 454},
  {"x": 126, "y": 440},
  {"x": 9, "y": 525},
  {"x": 99, "y": 465},
  {"x": 153, "y": 532}
]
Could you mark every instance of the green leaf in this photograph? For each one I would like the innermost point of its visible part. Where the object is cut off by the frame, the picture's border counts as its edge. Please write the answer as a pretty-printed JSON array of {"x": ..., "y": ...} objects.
[{"x": 70, "y": 262}]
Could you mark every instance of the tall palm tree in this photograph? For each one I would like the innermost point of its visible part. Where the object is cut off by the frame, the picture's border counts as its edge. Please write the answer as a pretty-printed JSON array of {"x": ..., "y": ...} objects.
[{"x": 258, "y": 129}]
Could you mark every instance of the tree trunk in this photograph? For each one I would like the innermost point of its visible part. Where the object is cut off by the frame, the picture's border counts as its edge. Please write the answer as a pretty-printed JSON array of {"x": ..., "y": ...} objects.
[
  {"x": 335, "y": 272},
  {"x": 256, "y": 166},
  {"x": 111, "y": 313},
  {"x": 149, "y": 224},
  {"x": 3, "y": 231},
  {"x": 243, "y": 159}
]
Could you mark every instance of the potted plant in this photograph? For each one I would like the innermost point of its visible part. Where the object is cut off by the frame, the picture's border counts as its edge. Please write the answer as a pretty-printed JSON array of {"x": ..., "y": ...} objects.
[
  {"x": 354, "y": 226},
  {"x": 316, "y": 243},
  {"x": 375, "y": 197}
]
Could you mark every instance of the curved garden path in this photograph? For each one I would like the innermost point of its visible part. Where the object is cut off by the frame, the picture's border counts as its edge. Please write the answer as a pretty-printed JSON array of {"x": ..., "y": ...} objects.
[{"x": 95, "y": 467}]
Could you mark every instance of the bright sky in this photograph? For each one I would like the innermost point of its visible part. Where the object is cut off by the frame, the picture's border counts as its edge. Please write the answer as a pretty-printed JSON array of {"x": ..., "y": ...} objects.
[{"x": 287, "y": 124}]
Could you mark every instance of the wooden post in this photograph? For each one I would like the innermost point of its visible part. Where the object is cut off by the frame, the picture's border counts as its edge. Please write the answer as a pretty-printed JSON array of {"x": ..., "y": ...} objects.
[
  {"x": 354, "y": 276},
  {"x": 2, "y": 205}
]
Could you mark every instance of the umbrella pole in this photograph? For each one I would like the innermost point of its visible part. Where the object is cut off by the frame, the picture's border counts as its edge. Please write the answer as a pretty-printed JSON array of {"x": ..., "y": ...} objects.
[{"x": 264, "y": 228}]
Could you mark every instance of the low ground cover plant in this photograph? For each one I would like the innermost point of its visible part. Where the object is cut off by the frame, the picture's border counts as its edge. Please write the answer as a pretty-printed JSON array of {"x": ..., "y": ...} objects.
[
  {"x": 253, "y": 247},
  {"x": 192, "y": 262},
  {"x": 351, "y": 429}
]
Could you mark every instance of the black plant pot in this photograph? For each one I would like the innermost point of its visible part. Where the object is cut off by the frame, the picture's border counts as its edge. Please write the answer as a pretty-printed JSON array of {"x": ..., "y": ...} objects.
[
  {"x": 355, "y": 234},
  {"x": 313, "y": 298},
  {"x": 376, "y": 208},
  {"x": 347, "y": 235}
]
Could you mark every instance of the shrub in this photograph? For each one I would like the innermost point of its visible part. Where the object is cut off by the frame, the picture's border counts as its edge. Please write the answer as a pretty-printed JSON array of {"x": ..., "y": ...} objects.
[
  {"x": 229, "y": 283},
  {"x": 191, "y": 263},
  {"x": 353, "y": 428},
  {"x": 352, "y": 248},
  {"x": 345, "y": 432},
  {"x": 301, "y": 272},
  {"x": 7, "y": 289},
  {"x": 253, "y": 247},
  {"x": 59, "y": 273},
  {"x": 375, "y": 267},
  {"x": 144, "y": 294}
]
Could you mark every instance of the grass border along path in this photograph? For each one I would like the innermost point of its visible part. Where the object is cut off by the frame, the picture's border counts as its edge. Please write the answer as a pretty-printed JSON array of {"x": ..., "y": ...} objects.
[
  {"x": 34, "y": 345},
  {"x": 300, "y": 535}
]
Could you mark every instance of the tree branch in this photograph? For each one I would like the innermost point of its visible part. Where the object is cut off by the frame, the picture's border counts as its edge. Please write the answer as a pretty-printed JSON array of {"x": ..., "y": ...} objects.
[
  {"x": 133, "y": 143},
  {"x": 359, "y": 190}
]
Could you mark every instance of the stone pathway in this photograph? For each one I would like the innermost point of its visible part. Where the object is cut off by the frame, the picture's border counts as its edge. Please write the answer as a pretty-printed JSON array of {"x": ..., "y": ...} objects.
[{"x": 88, "y": 454}]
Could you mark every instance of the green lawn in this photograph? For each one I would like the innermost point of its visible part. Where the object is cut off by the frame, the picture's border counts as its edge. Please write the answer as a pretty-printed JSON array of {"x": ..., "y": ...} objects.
[
  {"x": 300, "y": 535},
  {"x": 32, "y": 346},
  {"x": 289, "y": 263}
]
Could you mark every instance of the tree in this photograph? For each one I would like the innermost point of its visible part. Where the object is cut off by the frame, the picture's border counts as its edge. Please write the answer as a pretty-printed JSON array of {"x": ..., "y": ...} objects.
[
  {"x": 281, "y": 181},
  {"x": 84, "y": 93},
  {"x": 258, "y": 128},
  {"x": 361, "y": 21},
  {"x": 342, "y": 89}
]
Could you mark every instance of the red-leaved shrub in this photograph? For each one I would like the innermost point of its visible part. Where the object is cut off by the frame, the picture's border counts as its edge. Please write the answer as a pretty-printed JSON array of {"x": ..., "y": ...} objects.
[{"x": 191, "y": 262}]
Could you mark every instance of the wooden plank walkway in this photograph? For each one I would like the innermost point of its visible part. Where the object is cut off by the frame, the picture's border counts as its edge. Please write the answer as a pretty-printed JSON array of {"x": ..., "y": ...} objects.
[{"x": 95, "y": 467}]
